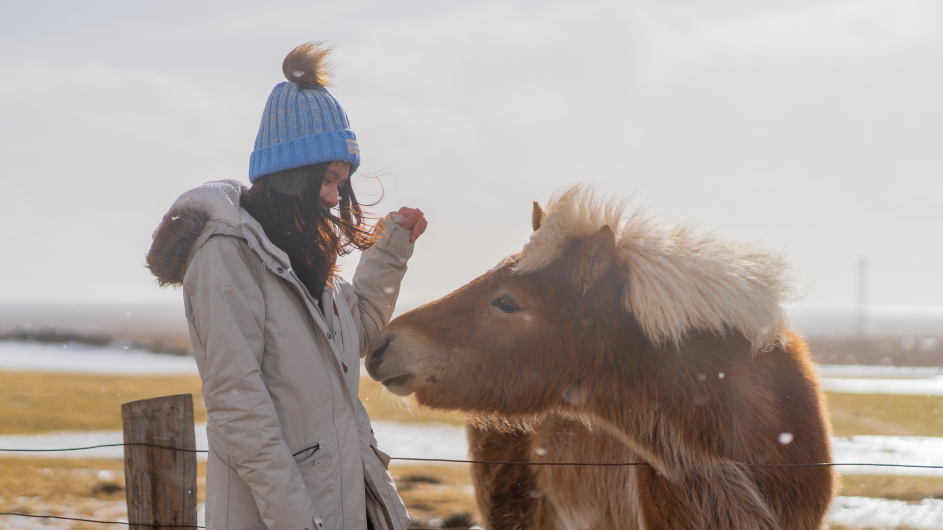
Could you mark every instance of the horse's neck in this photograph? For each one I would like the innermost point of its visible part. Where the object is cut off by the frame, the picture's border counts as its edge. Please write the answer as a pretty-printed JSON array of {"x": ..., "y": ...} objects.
[{"x": 664, "y": 400}]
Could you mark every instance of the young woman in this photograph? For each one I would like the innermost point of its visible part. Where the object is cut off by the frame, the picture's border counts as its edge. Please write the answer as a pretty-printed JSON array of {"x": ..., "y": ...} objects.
[{"x": 277, "y": 335}]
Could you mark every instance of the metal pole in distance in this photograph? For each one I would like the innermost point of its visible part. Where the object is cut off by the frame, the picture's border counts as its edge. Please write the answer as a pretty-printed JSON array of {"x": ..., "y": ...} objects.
[
  {"x": 862, "y": 303},
  {"x": 160, "y": 483}
]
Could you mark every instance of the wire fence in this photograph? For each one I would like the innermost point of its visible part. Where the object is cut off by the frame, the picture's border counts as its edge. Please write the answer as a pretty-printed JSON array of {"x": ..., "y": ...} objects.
[
  {"x": 441, "y": 460},
  {"x": 457, "y": 461},
  {"x": 151, "y": 525}
]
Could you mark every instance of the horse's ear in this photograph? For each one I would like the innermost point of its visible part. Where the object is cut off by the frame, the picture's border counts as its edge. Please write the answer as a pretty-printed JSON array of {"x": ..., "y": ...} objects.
[
  {"x": 536, "y": 216},
  {"x": 591, "y": 259}
]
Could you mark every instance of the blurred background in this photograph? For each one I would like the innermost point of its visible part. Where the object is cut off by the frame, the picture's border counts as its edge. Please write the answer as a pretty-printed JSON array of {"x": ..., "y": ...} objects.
[{"x": 812, "y": 126}]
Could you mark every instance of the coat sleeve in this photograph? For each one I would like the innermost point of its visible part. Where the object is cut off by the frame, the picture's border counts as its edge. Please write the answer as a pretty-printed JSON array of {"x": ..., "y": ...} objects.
[
  {"x": 228, "y": 316},
  {"x": 378, "y": 279}
]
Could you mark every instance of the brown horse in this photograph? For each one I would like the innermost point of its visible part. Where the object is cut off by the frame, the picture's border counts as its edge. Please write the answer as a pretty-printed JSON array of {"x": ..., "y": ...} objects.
[{"x": 617, "y": 339}]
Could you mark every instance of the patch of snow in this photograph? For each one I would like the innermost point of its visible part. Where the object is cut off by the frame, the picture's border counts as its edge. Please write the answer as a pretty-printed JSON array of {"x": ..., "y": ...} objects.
[
  {"x": 61, "y": 440},
  {"x": 864, "y": 512},
  {"x": 406, "y": 440},
  {"x": 449, "y": 442},
  {"x": 907, "y": 387},
  {"x": 397, "y": 439},
  {"x": 914, "y": 450},
  {"x": 851, "y": 371},
  {"x": 79, "y": 358}
]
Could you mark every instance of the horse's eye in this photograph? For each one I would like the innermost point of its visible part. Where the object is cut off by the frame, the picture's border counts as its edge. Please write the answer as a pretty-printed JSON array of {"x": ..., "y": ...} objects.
[{"x": 506, "y": 304}]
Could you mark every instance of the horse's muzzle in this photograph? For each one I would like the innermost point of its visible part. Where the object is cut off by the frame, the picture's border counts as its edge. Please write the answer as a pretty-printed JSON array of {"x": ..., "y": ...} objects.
[
  {"x": 377, "y": 348},
  {"x": 386, "y": 363}
]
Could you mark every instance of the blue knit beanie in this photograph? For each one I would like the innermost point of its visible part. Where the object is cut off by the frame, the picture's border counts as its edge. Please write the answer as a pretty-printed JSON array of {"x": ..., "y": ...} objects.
[{"x": 302, "y": 123}]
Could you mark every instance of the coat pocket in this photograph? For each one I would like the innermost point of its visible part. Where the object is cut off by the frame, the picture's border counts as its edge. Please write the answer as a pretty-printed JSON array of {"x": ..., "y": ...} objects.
[
  {"x": 309, "y": 456},
  {"x": 320, "y": 472}
]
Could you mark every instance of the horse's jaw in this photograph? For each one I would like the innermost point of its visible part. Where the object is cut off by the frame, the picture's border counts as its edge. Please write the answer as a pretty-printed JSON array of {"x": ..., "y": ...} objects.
[{"x": 401, "y": 385}]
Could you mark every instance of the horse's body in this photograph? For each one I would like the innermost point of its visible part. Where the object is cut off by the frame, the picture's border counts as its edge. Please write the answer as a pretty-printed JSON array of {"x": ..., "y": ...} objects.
[{"x": 662, "y": 348}]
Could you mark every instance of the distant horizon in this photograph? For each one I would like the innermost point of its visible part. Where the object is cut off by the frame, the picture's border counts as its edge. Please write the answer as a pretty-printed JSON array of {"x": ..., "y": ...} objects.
[{"x": 159, "y": 317}]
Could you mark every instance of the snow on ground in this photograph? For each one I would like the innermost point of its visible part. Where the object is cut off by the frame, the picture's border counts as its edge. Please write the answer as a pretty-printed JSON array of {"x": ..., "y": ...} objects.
[
  {"x": 909, "y": 387},
  {"x": 915, "y": 450},
  {"x": 421, "y": 440},
  {"x": 448, "y": 442},
  {"x": 397, "y": 439},
  {"x": 80, "y": 358},
  {"x": 60, "y": 440},
  {"x": 848, "y": 371},
  {"x": 856, "y": 512},
  {"x": 864, "y": 512},
  {"x": 906, "y": 380}
]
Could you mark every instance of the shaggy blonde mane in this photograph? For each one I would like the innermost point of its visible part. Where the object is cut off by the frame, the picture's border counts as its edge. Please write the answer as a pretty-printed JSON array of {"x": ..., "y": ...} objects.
[{"x": 675, "y": 279}]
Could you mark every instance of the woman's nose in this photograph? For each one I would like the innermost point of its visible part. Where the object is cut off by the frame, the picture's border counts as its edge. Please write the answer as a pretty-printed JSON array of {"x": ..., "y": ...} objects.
[{"x": 331, "y": 198}]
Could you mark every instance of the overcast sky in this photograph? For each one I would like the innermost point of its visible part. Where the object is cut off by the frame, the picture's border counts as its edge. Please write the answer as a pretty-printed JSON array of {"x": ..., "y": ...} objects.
[{"x": 815, "y": 127}]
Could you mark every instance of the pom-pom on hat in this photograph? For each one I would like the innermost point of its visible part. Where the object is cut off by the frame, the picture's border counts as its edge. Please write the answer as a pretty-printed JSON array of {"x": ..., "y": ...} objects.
[{"x": 302, "y": 123}]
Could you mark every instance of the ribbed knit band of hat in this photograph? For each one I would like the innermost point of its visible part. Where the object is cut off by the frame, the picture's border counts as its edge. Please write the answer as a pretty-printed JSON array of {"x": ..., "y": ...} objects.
[{"x": 302, "y": 123}]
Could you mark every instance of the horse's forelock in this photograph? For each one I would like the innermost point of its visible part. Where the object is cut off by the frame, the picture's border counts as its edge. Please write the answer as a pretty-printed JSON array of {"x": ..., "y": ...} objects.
[{"x": 674, "y": 279}]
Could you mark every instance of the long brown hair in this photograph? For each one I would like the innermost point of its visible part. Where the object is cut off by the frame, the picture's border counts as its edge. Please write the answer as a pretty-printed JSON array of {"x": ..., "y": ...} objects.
[{"x": 288, "y": 206}]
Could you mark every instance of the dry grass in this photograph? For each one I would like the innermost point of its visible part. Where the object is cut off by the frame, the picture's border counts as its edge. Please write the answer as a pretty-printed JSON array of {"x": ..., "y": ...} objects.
[
  {"x": 94, "y": 488},
  {"x": 69, "y": 478},
  {"x": 910, "y": 489},
  {"x": 433, "y": 491},
  {"x": 886, "y": 415},
  {"x": 32, "y": 402},
  {"x": 89, "y": 488}
]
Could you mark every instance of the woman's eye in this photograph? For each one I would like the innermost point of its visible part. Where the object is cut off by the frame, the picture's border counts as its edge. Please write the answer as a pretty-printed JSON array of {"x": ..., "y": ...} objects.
[{"x": 506, "y": 304}]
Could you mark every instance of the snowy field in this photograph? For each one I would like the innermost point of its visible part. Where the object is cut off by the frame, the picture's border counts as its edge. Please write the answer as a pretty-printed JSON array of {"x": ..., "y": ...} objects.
[
  {"x": 79, "y": 358},
  {"x": 448, "y": 442},
  {"x": 397, "y": 439}
]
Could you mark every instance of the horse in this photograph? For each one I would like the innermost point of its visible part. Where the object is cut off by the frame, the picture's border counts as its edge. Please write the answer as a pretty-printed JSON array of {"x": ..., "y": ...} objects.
[{"x": 614, "y": 338}]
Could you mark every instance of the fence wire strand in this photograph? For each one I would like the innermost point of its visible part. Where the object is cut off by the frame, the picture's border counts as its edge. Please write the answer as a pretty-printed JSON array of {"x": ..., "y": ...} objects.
[
  {"x": 457, "y": 461},
  {"x": 180, "y": 449},
  {"x": 446, "y": 460},
  {"x": 150, "y": 525}
]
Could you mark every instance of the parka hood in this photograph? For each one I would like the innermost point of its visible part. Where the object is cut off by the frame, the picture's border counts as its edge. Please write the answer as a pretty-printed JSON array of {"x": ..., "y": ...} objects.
[{"x": 181, "y": 226}]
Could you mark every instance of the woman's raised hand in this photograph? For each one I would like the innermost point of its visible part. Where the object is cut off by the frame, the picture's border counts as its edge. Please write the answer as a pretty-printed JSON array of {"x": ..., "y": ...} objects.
[{"x": 414, "y": 220}]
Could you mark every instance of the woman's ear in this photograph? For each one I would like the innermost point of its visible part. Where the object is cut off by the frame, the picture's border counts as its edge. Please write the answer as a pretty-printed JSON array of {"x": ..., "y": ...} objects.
[{"x": 537, "y": 216}]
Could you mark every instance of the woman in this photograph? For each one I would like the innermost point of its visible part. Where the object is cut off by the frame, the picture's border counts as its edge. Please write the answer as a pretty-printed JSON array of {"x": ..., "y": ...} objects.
[{"x": 277, "y": 335}]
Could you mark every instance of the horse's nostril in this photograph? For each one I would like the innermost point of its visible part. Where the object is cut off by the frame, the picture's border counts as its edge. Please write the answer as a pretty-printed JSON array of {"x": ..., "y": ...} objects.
[{"x": 376, "y": 353}]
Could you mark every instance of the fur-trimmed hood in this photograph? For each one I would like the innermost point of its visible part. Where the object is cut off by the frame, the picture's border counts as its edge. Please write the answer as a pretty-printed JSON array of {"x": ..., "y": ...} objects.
[{"x": 182, "y": 225}]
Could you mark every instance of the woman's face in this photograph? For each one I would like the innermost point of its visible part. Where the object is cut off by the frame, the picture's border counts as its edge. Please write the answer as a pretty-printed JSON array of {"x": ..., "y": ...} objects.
[{"x": 334, "y": 178}]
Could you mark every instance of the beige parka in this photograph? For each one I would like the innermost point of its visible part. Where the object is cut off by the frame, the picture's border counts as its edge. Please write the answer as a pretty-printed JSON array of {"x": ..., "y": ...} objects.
[{"x": 291, "y": 446}]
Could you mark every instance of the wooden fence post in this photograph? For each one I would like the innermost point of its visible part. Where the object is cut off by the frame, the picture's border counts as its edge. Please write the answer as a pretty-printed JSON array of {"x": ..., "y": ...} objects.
[{"x": 160, "y": 483}]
